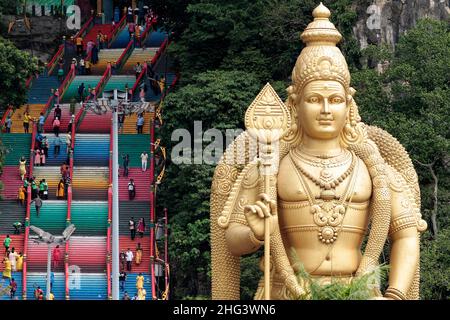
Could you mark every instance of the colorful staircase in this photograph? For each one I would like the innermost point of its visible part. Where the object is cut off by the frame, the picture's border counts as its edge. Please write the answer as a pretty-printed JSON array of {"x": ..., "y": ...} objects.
[
  {"x": 40, "y": 89},
  {"x": 17, "y": 116},
  {"x": 65, "y": 117},
  {"x": 72, "y": 90},
  {"x": 92, "y": 34},
  {"x": 141, "y": 56},
  {"x": 105, "y": 56}
]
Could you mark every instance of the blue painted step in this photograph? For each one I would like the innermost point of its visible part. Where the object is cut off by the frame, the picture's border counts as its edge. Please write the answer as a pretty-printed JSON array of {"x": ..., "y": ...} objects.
[
  {"x": 130, "y": 285},
  {"x": 88, "y": 286},
  {"x": 40, "y": 89},
  {"x": 91, "y": 150},
  {"x": 56, "y": 159},
  {"x": 5, "y": 282},
  {"x": 155, "y": 39},
  {"x": 35, "y": 279},
  {"x": 122, "y": 39}
]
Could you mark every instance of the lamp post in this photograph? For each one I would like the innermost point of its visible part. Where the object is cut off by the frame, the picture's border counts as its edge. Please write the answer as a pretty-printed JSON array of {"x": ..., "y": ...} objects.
[
  {"x": 49, "y": 240},
  {"x": 118, "y": 103}
]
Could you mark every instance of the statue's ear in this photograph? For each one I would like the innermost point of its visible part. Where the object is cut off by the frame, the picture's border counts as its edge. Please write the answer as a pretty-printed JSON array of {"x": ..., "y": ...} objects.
[{"x": 350, "y": 94}]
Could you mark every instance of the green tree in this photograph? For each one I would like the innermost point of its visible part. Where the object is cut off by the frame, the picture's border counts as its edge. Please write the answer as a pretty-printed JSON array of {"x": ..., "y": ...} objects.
[{"x": 16, "y": 66}]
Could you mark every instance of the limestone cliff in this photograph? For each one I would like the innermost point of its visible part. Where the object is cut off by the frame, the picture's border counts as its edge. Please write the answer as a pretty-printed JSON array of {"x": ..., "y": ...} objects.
[{"x": 383, "y": 21}]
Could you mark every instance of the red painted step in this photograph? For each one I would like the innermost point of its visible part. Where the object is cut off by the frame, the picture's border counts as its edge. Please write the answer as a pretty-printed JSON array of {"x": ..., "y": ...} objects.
[
  {"x": 92, "y": 35},
  {"x": 65, "y": 118},
  {"x": 37, "y": 257},
  {"x": 93, "y": 123},
  {"x": 126, "y": 242},
  {"x": 11, "y": 182},
  {"x": 141, "y": 181}
]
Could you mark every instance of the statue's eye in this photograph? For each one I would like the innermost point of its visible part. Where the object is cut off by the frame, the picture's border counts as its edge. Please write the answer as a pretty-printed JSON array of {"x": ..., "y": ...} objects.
[
  {"x": 313, "y": 100},
  {"x": 336, "y": 100}
]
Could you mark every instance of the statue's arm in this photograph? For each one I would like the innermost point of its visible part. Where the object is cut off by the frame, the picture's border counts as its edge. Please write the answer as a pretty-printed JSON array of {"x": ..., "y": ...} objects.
[
  {"x": 241, "y": 240},
  {"x": 405, "y": 250}
]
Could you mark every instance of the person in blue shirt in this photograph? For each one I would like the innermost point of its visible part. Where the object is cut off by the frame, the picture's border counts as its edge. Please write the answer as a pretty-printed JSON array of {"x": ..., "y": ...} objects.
[
  {"x": 41, "y": 122},
  {"x": 140, "y": 123},
  {"x": 8, "y": 124}
]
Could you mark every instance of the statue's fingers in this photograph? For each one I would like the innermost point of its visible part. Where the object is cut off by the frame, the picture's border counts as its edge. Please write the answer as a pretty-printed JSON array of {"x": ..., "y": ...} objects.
[
  {"x": 249, "y": 209},
  {"x": 259, "y": 212},
  {"x": 264, "y": 208},
  {"x": 264, "y": 197},
  {"x": 273, "y": 207}
]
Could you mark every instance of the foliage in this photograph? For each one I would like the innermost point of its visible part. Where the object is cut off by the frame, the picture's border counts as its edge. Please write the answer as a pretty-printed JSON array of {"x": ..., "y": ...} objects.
[
  {"x": 8, "y": 6},
  {"x": 435, "y": 265},
  {"x": 15, "y": 68}
]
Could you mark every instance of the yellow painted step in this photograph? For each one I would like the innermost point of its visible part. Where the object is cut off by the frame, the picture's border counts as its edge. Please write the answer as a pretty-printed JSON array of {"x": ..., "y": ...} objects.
[{"x": 17, "y": 117}]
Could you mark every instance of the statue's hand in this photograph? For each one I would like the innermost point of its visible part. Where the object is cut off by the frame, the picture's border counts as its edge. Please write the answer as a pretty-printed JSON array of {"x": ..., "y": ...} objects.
[{"x": 256, "y": 213}]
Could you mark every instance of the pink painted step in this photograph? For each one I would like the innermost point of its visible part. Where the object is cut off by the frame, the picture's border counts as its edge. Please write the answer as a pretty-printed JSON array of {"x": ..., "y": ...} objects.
[
  {"x": 11, "y": 182},
  {"x": 141, "y": 181}
]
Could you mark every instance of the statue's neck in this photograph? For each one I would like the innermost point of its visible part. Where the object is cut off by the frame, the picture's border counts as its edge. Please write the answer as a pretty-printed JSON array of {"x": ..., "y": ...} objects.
[{"x": 321, "y": 146}]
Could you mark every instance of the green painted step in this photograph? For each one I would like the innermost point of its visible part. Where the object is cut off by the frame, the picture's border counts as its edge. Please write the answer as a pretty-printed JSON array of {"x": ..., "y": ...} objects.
[
  {"x": 134, "y": 145},
  {"x": 72, "y": 90},
  {"x": 52, "y": 217},
  {"x": 90, "y": 218},
  {"x": 17, "y": 145},
  {"x": 119, "y": 82}
]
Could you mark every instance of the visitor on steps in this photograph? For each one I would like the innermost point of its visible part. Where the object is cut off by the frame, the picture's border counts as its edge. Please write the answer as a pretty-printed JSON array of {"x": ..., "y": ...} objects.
[
  {"x": 126, "y": 296},
  {"x": 38, "y": 293},
  {"x": 132, "y": 227},
  {"x": 26, "y": 121},
  {"x": 8, "y": 124},
  {"x": 7, "y": 268},
  {"x": 12, "y": 258},
  {"x": 7, "y": 243},
  {"x": 140, "y": 281},
  {"x": 60, "y": 74},
  {"x": 19, "y": 262},
  {"x": 140, "y": 123},
  {"x": 141, "y": 227},
  {"x": 56, "y": 146},
  {"x": 37, "y": 157},
  {"x": 13, "y": 288},
  {"x": 51, "y": 296},
  {"x": 42, "y": 157},
  {"x": 56, "y": 257},
  {"x": 122, "y": 279},
  {"x": 87, "y": 67},
  {"x": 45, "y": 146},
  {"x": 39, "y": 138},
  {"x": 138, "y": 254},
  {"x": 121, "y": 121},
  {"x": 17, "y": 226},
  {"x": 34, "y": 188},
  {"x": 138, "y": 69},
  {"x": 60, "y": 190},
  {"x": 56, "y": 124},
  {"x": 57, "y": 112},
  {"x": 37, "y": 204},
  {"x": 81, "y": 66},
  {"x": 130, "y": 256},
  {"x": 22, "y": 167},
  {"x": 89, "y": 47},
  {"x": 131, "y": 189},
  {"x": 94, "y": 54},
  {"x": 123, "y": 260},
  {"x": 56, "y": 94},
  {"x": 69, "y": 127},
  {"x": 44, "y": 188},
  {"x": 41, "y": 122},
  {"x": 79, "y": 43},
  {"x": 21, "y": 195},
  {"x": 81, "y": 92},
  {"x": 144, "y": 158},
  {"x": 141, "y": 294},
  {"x": 142, "y": 95},
  {"x": 126, "y": 161}
]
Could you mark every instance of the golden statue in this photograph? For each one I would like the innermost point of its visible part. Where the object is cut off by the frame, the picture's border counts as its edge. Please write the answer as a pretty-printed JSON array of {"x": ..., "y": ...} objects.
[{"x": 312, "y": 184}]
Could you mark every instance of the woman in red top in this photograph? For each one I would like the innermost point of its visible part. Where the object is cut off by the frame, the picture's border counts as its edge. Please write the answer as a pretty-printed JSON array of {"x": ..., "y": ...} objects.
[
  {"x": 141, "y": 227},
  {"x": 56, "y": 256}
]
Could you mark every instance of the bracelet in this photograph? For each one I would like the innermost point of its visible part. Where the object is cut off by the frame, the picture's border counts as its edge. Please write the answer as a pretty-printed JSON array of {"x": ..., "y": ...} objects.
[
  {"x": 255, "y": 241},
  {"x": 394, "y": 294}
]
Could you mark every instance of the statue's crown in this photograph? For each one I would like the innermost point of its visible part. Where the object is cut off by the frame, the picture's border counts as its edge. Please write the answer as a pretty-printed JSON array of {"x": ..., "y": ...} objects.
[{"x": 321, "y": 59}]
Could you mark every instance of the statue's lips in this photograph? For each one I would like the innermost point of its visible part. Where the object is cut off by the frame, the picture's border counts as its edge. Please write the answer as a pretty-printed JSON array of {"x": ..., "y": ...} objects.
[{"x": 326, "y": 122}]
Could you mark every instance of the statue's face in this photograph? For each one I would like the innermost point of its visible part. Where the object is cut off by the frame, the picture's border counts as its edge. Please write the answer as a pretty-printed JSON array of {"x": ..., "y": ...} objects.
[{"x": 322, "y": 109}]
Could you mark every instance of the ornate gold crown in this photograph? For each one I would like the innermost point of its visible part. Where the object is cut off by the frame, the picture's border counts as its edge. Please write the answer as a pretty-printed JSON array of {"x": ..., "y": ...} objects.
[{"x": 320, "y": 59}]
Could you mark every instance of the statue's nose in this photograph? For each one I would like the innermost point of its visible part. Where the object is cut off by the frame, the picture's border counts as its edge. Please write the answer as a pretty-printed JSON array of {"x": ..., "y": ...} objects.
[{"x": 325, "y": 106}]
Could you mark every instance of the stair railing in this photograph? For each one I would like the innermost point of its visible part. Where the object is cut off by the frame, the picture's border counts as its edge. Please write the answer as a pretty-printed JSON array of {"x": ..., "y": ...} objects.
[
  {"x": 116, "y": 30},
  {"x": 27, "y": 215},
  {"x": 85, "y": 29},
  {"x": 138, "y": 80},
  {"x": 52, "y": 64},
  {"x": 146, "y": 32},
  {"x": 125, "y": 55},
  {"x": 5, "y": 115}
]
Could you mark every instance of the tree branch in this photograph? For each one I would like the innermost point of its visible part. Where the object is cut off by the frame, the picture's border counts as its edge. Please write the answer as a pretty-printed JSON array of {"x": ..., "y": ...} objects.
[{"x": 434, "y": 225}]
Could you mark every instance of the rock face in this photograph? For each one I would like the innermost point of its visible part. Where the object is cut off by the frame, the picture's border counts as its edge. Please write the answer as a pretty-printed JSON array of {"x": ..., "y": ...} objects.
[
  {"x": 45, "y": 36},
  {"x": 383, "y": 21}
]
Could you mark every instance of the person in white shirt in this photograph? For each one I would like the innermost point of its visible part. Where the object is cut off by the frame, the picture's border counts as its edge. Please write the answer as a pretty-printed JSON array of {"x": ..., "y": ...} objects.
[
  {"x": 129, "y": 256},
  {"x": 12, "y": 258},
  {"x": 144, "y": 158}
]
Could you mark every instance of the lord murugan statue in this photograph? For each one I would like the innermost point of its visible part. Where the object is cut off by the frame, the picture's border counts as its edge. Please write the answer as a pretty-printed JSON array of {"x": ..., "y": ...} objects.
[{"x": 314, "y": 181}]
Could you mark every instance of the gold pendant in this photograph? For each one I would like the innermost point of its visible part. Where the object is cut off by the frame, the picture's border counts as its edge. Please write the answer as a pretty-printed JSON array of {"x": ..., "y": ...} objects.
[{"x": 328, "y": 215}]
